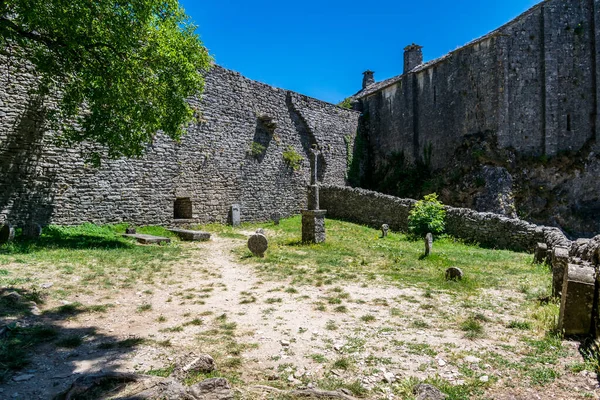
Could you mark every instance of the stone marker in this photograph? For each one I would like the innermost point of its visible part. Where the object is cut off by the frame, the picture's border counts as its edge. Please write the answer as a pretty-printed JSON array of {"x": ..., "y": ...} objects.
[
  {"x": 191, "y": 236},
  {"x": 454, "y": 274},
  {"x": 258, "y": 244},
  {"x": 575, "y": 317},
  {"x": 235, "y": 214},
  {"x": 32, "y": 231},
  {"x": 260, "y": 231},
  {"x": 384, "y": 230},
  {"x": 148, "y": 239},
  {"x": 130, "y": 230},
  {"x": 428, "y": 244},
  {"x": 560, "y": 261},
  {"x": 275, "y": 217},
  {"x": 541, "y": 252},
  {"x": 7, "y": 233}
]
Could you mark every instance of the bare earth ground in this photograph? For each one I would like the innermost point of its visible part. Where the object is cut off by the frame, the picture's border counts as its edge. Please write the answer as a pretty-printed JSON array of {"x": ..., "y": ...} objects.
[{"x": 266, "y": 332}]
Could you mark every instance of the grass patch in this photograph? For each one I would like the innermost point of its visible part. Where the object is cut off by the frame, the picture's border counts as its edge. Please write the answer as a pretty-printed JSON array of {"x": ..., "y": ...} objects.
[{"x": 473, "y": 328}]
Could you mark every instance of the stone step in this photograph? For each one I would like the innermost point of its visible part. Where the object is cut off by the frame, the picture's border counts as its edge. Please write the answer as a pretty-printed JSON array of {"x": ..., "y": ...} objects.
[
  {"x": 190, "y": 235},
  {"x": 148, "y": 239}
]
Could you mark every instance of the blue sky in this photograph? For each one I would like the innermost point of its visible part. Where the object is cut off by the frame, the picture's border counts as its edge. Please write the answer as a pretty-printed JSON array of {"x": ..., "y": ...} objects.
[{"x": 320, "y": 48}]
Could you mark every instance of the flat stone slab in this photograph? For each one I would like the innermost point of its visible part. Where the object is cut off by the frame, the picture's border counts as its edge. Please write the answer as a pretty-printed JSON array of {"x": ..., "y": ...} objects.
[
  {"x": 190, "y": 235},
  {"x": 148, "y": 239}
]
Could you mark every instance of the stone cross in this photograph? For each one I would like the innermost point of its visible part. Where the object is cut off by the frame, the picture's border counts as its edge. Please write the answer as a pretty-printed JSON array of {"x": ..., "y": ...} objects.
[{"x": 314, "y": 164}]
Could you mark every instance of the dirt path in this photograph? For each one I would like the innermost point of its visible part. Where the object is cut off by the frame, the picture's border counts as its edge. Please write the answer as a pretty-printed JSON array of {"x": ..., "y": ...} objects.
[{"x": 372, "y": 334}]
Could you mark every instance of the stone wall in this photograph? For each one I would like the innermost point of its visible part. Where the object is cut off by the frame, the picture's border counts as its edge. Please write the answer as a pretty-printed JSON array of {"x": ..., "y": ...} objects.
[
  {"x": 529, "y": 82},
  {"x": 529, "y": 89},
  {"x": 212, "y": 165},
  {"x": 490, "y": 230}
]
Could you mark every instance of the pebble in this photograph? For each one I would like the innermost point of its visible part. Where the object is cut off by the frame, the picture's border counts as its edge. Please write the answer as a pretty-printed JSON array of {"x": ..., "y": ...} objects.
[
  {"x": 441, "y": 362},
  {"x": 47, "y": 285},
  {"x": 285, "y": 343},
  {"x": 21, "y": 378},
  {"x": 484, "y": 378},
  {"x": 389, "y": 377},
  {"x": 472, "y": 359}
]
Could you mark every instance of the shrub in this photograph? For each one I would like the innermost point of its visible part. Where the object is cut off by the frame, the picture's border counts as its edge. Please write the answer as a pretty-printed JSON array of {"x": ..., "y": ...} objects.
[
  {"x": 426, "y": 216},
  {"x": 256, "y": 149},
  {"x": 292, "y": 158}
]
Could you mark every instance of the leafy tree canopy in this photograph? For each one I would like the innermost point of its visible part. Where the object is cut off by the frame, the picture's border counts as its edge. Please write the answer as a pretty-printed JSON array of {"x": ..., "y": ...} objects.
[
  {"x": 124, "y": 68},
  {"x": 427, "y": 216}
]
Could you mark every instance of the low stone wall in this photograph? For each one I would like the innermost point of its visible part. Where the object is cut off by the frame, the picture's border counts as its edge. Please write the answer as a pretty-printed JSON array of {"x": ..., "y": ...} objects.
[{"x": 487, "y": 229}]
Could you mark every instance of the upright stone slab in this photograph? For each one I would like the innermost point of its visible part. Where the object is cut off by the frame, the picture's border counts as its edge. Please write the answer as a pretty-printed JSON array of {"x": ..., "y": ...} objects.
[
  {"x": 541, "y": 253},
  {"x": 32, "y": 231},
  {"x": 575, "y": 316},
  {"x": 560, "y": 261},
  {"x": 428, "y": 244},
  {"x": 275, "y": 217},
  {"x": 384, "y": 230},
  {"x": 7, "y": 233},
  {"x": 258, "y": 244},
  {"x": 454, "y": 274},
  {"x": 236, "y": 214},
  {"x": 313, "y": 226}
]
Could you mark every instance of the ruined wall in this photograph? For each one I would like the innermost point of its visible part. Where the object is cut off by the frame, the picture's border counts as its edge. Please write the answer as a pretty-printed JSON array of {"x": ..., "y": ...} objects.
[
  {"x": 490, "y": 230},
  {"x": 212, "y": 165}
]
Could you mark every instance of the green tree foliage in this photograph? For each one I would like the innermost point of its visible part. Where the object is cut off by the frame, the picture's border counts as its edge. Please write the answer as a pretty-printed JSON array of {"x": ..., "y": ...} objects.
[
  {"x": 124, "y": 68},
  {"x": 428, "y": 215}
]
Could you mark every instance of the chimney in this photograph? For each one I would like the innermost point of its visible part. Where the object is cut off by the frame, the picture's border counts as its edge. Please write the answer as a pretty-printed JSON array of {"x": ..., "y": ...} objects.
[
  {"x": 413, "y": 56},
  {"x": 368, "y": 78}
]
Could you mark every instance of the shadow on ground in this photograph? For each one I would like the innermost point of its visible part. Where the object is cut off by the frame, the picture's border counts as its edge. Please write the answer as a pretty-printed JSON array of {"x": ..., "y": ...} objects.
[{"x": 37, "y": 347}]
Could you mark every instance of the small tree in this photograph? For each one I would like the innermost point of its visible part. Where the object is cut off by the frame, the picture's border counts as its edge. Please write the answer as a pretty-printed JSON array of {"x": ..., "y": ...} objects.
[{"x": 428, "y": 215}]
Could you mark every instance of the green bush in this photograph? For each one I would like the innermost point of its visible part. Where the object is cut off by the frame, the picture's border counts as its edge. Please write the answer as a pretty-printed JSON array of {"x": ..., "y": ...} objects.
[{"x": 428, "y": 215}]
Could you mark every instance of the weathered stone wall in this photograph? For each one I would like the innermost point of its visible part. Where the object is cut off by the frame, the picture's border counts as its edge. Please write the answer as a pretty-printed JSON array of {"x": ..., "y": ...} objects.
[
  {"x": 490, "y": 230},
  {"x": 212, "y": 165},
  {"x": 529, "y": 88},
  {"x": 533, "y": 82}
]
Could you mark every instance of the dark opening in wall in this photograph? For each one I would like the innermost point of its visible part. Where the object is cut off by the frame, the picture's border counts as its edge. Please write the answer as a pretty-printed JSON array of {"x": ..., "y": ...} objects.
[
  {"x": 183, "y": 208},
  {"x": 568, "y": 122}
]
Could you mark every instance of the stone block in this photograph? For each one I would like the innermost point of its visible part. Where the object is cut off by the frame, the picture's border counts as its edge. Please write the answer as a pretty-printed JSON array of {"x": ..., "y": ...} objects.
[
  {"x": 236, "y": 215},
  {"x": 190, "y": 235},
  {"x": 560, "y": 261},
  {"x": 313, "y": 226},
  {"x": 575, "y": 317},
  {"x": 541, "y": 253},
  {"x": 454, "y": 274},
  {"x": 148, "y": 239}
]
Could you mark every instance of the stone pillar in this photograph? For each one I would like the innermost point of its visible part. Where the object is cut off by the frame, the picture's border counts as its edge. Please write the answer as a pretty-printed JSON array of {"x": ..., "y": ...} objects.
[
  {"x": 368, "y": 78},
  {"x": 413, "y": 56},
  {"x": 575, "y": 316},
  {"x": 313, "y": 226},
  {"x": 541, "y": 253},
  {"x": 313, "y": 197},
  {"x": 560, "y": 261}
]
